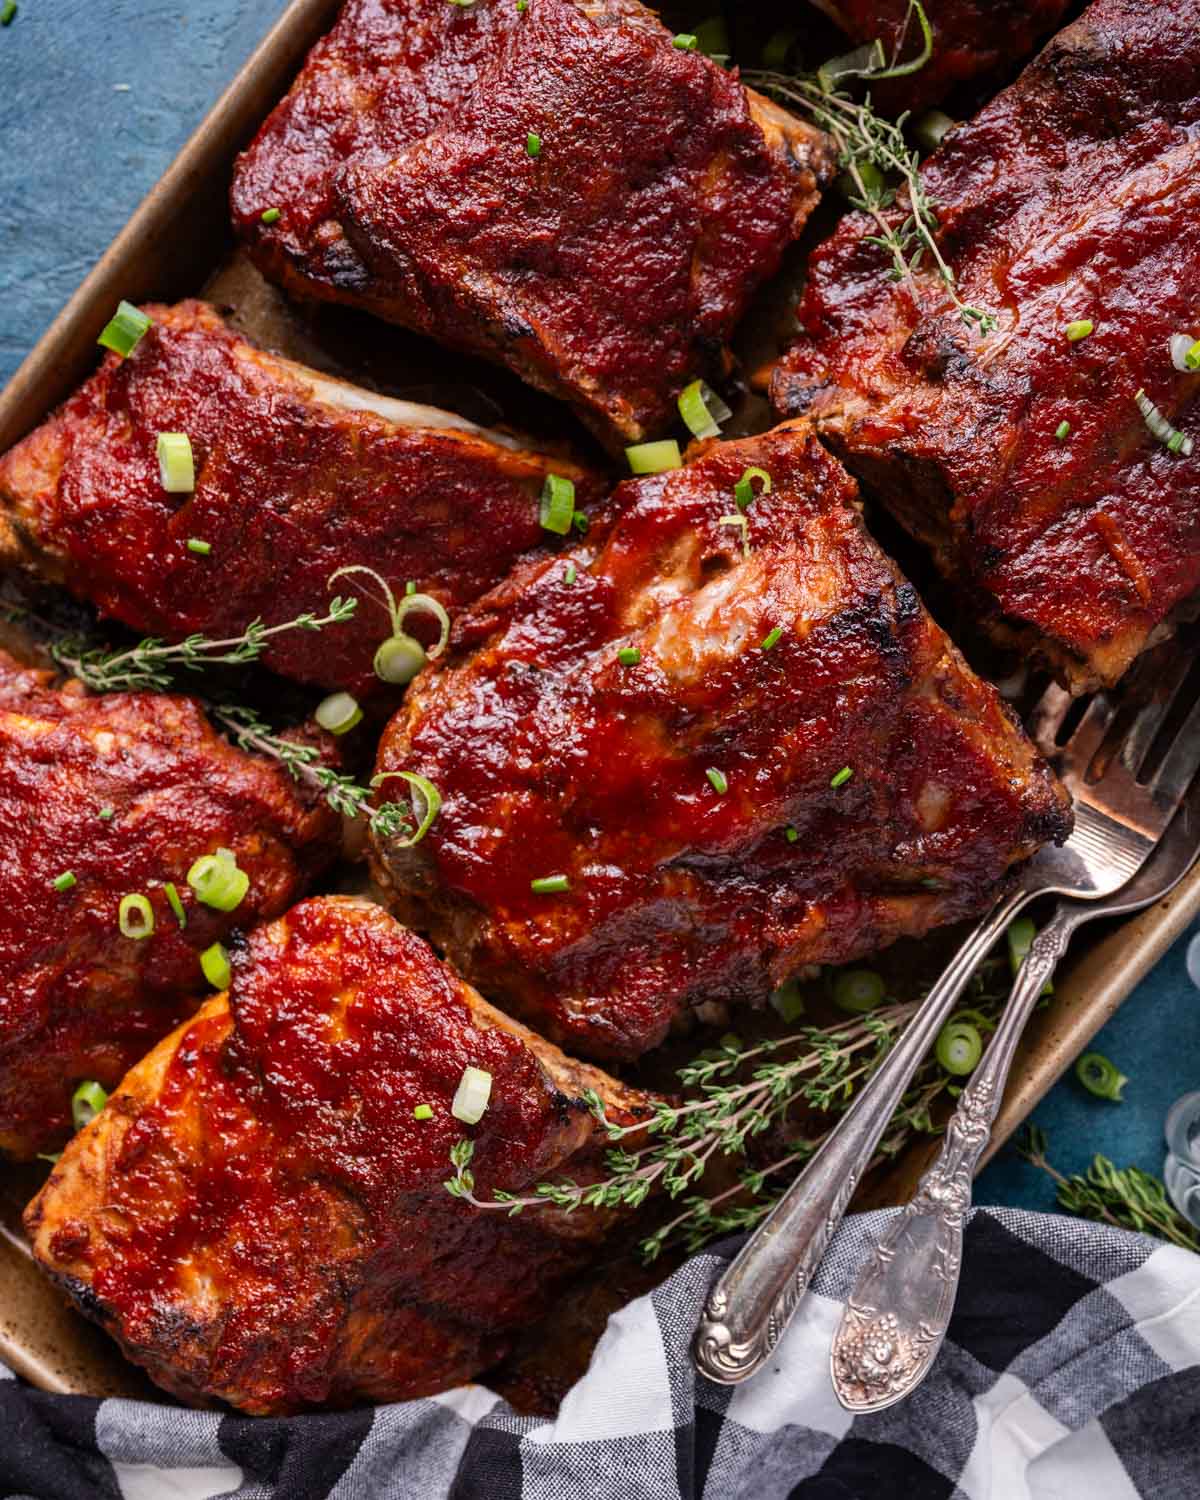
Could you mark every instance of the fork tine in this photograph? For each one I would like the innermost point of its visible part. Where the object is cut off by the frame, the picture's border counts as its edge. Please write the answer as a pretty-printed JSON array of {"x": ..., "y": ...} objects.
[
  {"x": 1149, "y": 721},
  {"x": 1046, "y": 716},
  {"x": 1080, "y": 749},
  {"x": 1180, "y": 763}
]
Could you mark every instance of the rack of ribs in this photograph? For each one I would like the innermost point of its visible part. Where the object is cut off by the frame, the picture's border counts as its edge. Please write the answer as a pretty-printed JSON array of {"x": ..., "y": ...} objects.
[
  {"x": 1068, "y": 208},
  {"x": 970, "y": 38},
  {"x": 259, "y": 1215},
  {"x": 558, "y": 188},
  {"x": 701, "y": 751},
  {"x": 100, "y": 798},
  {"x": 297, "y": 474}
]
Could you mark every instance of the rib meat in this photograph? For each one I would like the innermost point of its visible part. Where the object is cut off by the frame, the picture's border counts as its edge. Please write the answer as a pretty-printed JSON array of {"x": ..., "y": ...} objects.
[
  {"x": 608, "y": 268},
  {"x": 297, "y": 474},
  {"x": 726, "y": 804},
  {"x": 970, "y": 38},
  {"x": 122, "y": 792},
  {"x": 259, "y": 1216},
  {"x": 1023, "y": 459}
]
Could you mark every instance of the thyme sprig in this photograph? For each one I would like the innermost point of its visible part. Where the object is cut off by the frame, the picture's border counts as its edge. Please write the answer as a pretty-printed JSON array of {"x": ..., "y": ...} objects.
[
  {"x": 870, "y": 151},
  {"x": 1124, "y": 1196},
  {"x": 151, "y": 664},
  {"x": 737, "y": 1093},
  {"x": 302, "y": 761}
]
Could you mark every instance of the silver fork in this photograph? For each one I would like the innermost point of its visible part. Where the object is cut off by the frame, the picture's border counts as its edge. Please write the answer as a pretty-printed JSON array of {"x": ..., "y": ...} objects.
[
  {"x": 1117, "y": 824},
  {"x": 900, "y": 1307}
]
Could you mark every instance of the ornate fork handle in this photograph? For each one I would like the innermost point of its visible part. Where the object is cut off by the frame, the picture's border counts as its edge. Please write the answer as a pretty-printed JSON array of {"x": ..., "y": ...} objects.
[
  {"x": 752, "y": 1302},
  {"x": 898, "y": 1313}
]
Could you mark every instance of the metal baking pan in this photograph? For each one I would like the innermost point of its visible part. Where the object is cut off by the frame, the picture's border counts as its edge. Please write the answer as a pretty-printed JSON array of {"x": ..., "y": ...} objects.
[{"x": 179, "y": 243}]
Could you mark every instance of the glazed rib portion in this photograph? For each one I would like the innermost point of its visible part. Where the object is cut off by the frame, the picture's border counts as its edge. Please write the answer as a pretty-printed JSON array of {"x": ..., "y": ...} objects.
[
  {"x": 733, "y": 744},
  {"x": 1023, "y": 459},
  {"x": 112, "y": 796},
  {"x": 297, "y": 474},
  {"x": 559, "y": 189},
  {"x": 970, "y": 38},
  {"x": 259, "y": 1214}
]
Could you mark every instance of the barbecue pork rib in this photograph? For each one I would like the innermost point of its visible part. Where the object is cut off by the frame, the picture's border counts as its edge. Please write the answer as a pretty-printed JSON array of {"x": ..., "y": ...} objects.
[
  {"x": 123, "y": 793},
  {"x": 297, "y": 475},
  {"x": 735, "y": 744},
  {"x": 560, "y": 190},
  {"x": 259, "y": 1214},
  {"x": 970, "y": 38},
  {"x": 1023, "y": 459}
]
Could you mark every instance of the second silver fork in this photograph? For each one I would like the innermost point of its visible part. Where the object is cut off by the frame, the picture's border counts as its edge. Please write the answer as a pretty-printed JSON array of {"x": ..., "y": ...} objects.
[{"x": 1118, "y": 821}]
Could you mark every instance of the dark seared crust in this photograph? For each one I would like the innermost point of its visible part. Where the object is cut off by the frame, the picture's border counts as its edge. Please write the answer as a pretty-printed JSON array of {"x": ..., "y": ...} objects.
[
  {"x": 970, "y": 38},
  {"x": 1074, "y": 194},
  {"x": 293, "y": 481},
  {"x": 78, "y": 1000},
  {"x": 258, "y": 1217},
  {"x": 610, "y": 269},
  {"x": 554, "y": 758}
]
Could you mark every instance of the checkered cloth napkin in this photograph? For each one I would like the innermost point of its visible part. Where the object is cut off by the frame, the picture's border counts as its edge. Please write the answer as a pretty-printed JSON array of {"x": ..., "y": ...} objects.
[{"x": 1072, "y": 1371}]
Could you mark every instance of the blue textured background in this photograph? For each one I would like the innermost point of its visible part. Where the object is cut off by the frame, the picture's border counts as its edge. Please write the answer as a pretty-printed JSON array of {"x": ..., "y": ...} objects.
[{"x": 77, "y": 156}]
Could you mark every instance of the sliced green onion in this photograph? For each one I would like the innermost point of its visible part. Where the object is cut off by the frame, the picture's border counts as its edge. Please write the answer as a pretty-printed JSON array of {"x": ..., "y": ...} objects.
[
  {"x": 124, "y": 331},
  {"x": 175, "y": 903},
  {"x": 533, "y": 144},
  {"x": 780, "y": 43},
  {"x": 549, "y": 885},
  {"x": 581, "y": 523},
  {"x": 869, "y": 58},
  {"x": 858, "y": 990},
  {"x": 1081, "y": 328},
  {"x": 771, "y": 638},
  {"x": 743, "y": 526},
  {"x": 410, "y": 588},
  {"x": 522, "y": 7},
  {"x": 654, "y": 458},
  {"x": 684, "y": 41},
  {"x": 787, "y": 1001},
  {"x": 135, "y": 917},
  {"x": 86, "y": 1103},
  {"x": 1185, "y": 352},
  {"x": 558, "y": 504},
  {"x": 8, "y": 14},
  {"x": 1100, "y": 1076},
  {"x": 570, "y": 573},
  {"x": 214, "y": 965},
  {"x": 339, "y": 713},
  {"x": 201, "y": 548},
  {"x": 933, "y": 128},
  {"x": 424, "y": 812},
  {"x": 959, "y": 1047},
  {"x": 1062, "y": 431},
  {"x": 840, "y": 778},
  {"x": 270, "y": 216},
  {"x": 1175, "y": 440},
  {"x": 64, "y": 882},
  {"x": 702, "y": 410},
  {"x": 712, "y": 37},
  {"x": 217, "y": 881},
  {"x": 423, "y": 1112},
  {"x": 1020, "y": 935},
  {"x": 717, "y": 780},
  {"x": 629, "y": 656},
  {"x": 176, "y": 468},
  {"x": 398, "y": 660},
  {"x": 472, "y": 1096},
  {"x": 743, "y": 490},
  {"x": 791, "y": 833},
  {"x": 426, "y": 603},
  {"x": 106, "y": 814}
]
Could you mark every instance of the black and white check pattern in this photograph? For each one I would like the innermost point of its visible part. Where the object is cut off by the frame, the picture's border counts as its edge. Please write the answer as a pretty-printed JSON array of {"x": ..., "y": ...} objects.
[{"x": 1071, "y": 1372}]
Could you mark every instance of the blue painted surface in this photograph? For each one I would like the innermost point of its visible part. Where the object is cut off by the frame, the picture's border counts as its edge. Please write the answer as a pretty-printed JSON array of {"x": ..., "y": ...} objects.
[{"x": 78, "y": 155}]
